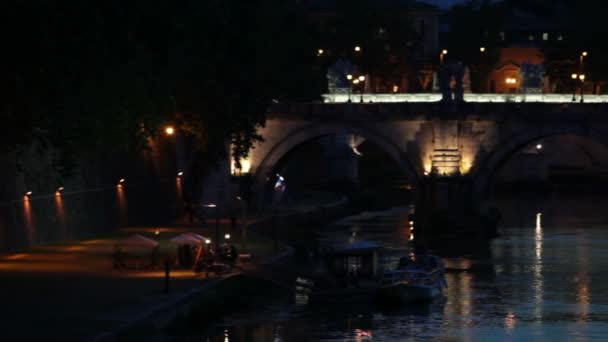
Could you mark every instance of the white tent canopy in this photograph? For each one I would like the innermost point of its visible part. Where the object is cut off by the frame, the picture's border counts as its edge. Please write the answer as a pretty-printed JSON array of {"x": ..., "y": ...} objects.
[
  {"x": 200, "y": 238},
  {"x": 137, "y": 241},
  {"x": 189, "y": 239}
]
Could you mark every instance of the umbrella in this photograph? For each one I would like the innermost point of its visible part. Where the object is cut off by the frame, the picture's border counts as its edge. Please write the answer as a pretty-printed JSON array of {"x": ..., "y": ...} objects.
[
  {"x": 185, "y": 239},
  {"x": 200, "y": 238},
  {"x": 137, "y": 241}
]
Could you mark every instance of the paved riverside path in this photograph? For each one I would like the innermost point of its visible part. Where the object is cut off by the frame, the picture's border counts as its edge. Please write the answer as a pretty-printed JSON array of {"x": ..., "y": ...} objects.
[{"x": 70, "y": 292}]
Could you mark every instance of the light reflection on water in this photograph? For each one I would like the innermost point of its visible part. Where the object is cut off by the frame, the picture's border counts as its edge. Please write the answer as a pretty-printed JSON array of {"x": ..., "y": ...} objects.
[{"x": 544, "y": 279}]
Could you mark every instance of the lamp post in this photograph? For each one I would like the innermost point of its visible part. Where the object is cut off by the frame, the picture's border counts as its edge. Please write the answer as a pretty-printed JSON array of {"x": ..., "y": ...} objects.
[
  {"x": 355, "y": 81},
  {"x": 441, "y": 55},
  {"x": 362, "y": 81},
  {"x": 582, "y": 61},
  {"x": 581, "y": 78},
  {"x": 574, "y": 77},
  {"x": 349, "y": 77},
  {"x": 217, "y": 223}
]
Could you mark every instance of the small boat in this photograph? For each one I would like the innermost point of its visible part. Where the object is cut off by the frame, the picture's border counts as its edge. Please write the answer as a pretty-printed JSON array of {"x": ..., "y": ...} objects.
[
  {"x": 351, "y": 274},
  {"x": 417, "y": 279}
]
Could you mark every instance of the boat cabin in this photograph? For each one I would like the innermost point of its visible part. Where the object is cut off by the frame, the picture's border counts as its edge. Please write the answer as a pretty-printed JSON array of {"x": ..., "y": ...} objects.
[{"x": 361, "y": 258}]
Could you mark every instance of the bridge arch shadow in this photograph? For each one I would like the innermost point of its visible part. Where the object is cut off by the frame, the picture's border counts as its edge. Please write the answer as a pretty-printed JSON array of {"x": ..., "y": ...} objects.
[
  {"x": 309, "y": 133},
  {"x": 490, "y": 164}
]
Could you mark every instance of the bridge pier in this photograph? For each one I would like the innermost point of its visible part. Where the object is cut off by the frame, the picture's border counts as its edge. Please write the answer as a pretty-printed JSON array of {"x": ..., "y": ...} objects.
[{"x": 445, "y": 209}]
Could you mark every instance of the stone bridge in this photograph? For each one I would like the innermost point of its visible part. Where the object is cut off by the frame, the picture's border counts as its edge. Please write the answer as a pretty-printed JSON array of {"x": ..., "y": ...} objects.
[{"x": 466, "y": 141}]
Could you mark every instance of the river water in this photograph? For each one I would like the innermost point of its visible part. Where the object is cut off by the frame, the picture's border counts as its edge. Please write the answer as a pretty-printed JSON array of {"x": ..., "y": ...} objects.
[{"x": 545, "y": 278}]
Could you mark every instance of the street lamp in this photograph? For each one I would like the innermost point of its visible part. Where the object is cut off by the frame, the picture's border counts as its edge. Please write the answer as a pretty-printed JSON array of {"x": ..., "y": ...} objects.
[
  {"x": 217, "y": 223},
  {"x": 357, "y": 48},
  {"x": 581, "y": 78},
  {"x": 441, "y": 55},
  {"x": 482, "y": 49},
  {"x": 356, "y": 81},
  {"x": 169, "y": 130},
  {"x": 349, "y": 77}
]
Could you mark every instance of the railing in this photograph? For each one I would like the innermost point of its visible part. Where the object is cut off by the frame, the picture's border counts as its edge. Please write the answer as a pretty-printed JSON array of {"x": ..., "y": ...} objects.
[{"x": 436, "y": 97}]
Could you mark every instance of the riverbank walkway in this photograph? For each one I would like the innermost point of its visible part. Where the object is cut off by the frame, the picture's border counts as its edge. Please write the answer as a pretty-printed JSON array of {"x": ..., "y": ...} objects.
[{"x": 70, "y": 291}]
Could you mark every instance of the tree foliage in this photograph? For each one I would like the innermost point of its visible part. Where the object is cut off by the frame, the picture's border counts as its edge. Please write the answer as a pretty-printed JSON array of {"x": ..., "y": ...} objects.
[{"x": 106, "y": 74}]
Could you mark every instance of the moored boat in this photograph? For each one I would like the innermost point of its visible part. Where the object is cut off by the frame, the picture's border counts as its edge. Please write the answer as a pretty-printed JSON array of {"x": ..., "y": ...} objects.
[
  {"x": 351, "y": 275},
  {"x": 419, "y": 278}
]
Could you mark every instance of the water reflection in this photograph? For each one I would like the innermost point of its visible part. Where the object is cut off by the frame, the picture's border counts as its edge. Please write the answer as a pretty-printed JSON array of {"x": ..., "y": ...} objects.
[
  {"x": 537, "y": 268},
  {"x": 539, "y": 282},
  {"x": 583, "y": 294},
  {"x": 28, "y": 220}
]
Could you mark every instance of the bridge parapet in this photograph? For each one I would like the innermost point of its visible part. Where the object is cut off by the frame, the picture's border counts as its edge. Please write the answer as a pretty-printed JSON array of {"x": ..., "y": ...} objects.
[
  {"x": 527, "y": 111},
  {"x": 482, "y": 98}
]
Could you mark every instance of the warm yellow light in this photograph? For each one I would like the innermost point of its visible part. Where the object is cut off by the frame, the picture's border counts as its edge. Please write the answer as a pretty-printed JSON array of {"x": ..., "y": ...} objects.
[
  {"x": 245, "y": 167},
  {"x": 482, "y": 49},
  {"x": 356, "y": 81},
  {"x": 207, "y": 241},
  {"x": 29, "y": 193},
  {"x": 362, "y": 78},
  {"x": 574, "y": 76},
  {"x": 179, "y": 174},
  {"x": 444, "y": 52},
  {"x": 320, "y": 52},
  {"x": 584, "y": 53},
  {"x": 395, "y": 88},
  {"x": 122, "y": 180},
  {"x": 157, "y": 232},
  {"x": 60, "y": 188},
  {"x": 581, "y": 77},
  {"x": 357, "y": 48},
  {"x": 426, "y": 173},
  {"x": 227, "y": 236},
  {"x": 169, "y": 130},
  {"x": 349, "y": 77}
]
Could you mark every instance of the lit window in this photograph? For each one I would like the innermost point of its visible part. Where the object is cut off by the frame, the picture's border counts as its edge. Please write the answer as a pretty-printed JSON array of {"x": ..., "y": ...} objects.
[{"x": 545, "y": 36}]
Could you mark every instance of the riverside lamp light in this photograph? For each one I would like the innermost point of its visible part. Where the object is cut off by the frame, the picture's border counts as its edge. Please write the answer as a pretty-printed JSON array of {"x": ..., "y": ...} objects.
[
  {"x": 581, "y": 78},
  {"x": 217, "y": 223}
]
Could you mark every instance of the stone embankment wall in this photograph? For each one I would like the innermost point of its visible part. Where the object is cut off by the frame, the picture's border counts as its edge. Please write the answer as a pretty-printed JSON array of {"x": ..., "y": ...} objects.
[{"x": 89, "y": 201}]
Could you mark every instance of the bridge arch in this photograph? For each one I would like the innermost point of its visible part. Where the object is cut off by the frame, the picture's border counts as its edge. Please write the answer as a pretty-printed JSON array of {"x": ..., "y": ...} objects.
[
  {"x": 315, "y": 131},
  {"x": 484, "y": 171}
]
